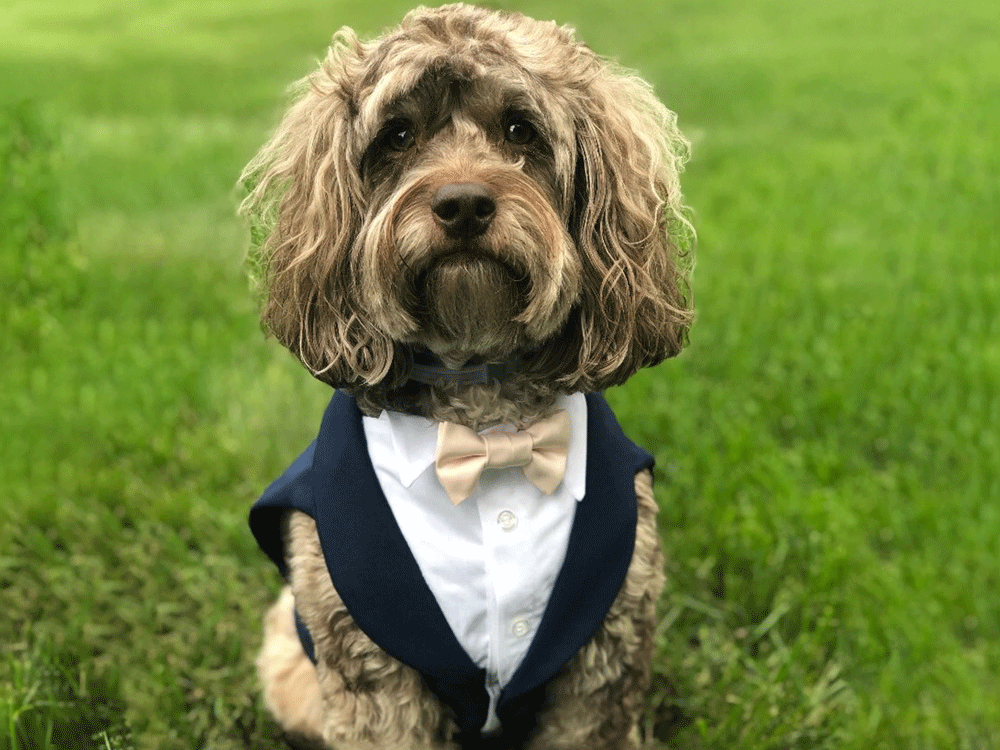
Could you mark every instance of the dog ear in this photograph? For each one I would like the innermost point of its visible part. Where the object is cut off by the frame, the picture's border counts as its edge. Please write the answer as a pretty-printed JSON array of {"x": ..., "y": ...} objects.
[
  {"x": 630, "y": 230},
  {"x": 305, "y": 206}
]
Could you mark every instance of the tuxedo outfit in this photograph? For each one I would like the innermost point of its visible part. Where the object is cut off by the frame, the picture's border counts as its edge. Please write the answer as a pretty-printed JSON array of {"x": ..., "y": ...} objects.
[{"x": 487, "y": 599}]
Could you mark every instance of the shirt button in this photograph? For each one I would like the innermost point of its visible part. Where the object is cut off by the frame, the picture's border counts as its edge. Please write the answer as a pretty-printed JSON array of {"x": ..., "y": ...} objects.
[
  {"x": 507, "y": 520},
  {"x": 519, "y": 628}
]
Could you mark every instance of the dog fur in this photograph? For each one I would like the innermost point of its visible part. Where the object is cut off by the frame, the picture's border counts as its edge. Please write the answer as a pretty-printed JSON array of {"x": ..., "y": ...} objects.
[{"x": 580, "y": 272}]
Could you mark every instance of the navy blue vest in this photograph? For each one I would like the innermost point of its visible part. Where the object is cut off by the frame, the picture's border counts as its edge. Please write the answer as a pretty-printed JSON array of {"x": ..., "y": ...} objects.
[{"x": 380, "y": 582}]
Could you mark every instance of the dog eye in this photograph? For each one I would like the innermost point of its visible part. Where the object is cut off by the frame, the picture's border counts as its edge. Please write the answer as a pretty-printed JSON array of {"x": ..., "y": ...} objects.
[
  {"x": 520, "y": 133},
  {"x": 400, "y": 137}
]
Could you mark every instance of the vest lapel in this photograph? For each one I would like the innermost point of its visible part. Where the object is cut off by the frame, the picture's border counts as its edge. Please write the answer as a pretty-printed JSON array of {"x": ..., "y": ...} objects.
[
  {"x": 597, "y": 559},
  {"x": 374, "y": 571}
]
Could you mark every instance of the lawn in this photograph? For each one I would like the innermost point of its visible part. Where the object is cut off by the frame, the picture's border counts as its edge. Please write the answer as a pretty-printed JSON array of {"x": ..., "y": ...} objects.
[{"x": 828, "y": 452}]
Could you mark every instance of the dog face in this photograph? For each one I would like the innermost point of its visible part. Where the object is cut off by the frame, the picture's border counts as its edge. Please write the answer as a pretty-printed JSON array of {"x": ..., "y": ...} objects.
[
  {"x": 478, "y": 184},
  {"x": 464, "y": 248}
]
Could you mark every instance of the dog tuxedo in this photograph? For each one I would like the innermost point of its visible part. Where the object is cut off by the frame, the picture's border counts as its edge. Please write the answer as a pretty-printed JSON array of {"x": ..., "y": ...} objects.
[{"x": 399, "y": 551}]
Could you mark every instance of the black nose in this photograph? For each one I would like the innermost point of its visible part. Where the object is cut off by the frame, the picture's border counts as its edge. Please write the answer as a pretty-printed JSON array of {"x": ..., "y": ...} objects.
[{"x": 464, "y": 209}]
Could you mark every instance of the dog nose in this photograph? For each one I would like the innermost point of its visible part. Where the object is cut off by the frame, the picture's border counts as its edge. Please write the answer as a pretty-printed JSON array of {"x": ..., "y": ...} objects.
[{"x": 464, "y": 209}]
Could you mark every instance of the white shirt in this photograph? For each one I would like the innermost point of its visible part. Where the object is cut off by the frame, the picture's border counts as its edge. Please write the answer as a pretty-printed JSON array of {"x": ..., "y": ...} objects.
[{"x": 491, "y": 562}]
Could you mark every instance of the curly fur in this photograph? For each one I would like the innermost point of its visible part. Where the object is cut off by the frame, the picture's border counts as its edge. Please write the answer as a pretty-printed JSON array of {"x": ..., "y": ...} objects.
[
  {"x": 591, "y": 217},
  {"x": 582, "y": 275}
]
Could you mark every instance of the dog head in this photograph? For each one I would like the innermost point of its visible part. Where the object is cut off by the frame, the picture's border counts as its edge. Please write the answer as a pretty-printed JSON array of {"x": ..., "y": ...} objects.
[{"x": 478, "y": 184}]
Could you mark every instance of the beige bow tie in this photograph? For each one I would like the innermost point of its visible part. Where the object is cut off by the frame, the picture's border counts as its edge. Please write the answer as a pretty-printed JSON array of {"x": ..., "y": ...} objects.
[{"x": 462, "y": 454}]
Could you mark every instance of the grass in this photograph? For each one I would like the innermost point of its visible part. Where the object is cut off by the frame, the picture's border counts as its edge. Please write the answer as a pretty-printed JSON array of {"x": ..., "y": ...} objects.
[{"x": 828, "y": 458}]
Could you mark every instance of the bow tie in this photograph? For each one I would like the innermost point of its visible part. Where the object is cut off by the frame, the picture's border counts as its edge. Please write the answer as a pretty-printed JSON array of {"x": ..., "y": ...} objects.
[{"x": 541, "y": 450}]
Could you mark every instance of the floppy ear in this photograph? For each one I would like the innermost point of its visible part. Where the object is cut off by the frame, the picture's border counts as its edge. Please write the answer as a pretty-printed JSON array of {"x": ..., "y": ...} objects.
[
  {"x": 305, "y": 206},
  {"x": 630, "y": 231}
]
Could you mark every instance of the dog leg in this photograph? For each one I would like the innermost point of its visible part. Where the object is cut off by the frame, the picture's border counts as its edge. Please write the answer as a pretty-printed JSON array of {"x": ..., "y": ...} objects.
[
  {"x": 596, "y": 701},
  {"x": 291, "y": 688},
  {"x": 370, "y": 701}
]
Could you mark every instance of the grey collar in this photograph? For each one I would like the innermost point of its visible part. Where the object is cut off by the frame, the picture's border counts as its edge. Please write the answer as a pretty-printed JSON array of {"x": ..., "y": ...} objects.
[{"x": 428, "y": 369}]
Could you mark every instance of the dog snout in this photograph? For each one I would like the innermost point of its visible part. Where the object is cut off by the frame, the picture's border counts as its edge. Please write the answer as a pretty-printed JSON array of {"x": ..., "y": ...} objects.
[{"x": 464, "y": 209}]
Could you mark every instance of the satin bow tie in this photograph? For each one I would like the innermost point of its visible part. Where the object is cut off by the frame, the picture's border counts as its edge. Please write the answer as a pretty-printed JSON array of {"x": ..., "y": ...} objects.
[{"x": 541, "y": 450}]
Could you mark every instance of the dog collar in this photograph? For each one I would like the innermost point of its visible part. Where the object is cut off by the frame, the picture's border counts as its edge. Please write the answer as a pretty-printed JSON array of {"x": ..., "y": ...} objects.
[{"x": 428, "y": 369}]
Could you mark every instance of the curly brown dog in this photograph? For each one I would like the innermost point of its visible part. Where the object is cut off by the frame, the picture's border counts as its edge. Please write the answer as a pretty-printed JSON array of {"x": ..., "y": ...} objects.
[{"x": 469, "y": 227}]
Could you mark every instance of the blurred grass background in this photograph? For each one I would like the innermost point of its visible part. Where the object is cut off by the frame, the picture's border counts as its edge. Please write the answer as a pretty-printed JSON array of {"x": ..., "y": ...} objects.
[{"x": 828, "y": 452}]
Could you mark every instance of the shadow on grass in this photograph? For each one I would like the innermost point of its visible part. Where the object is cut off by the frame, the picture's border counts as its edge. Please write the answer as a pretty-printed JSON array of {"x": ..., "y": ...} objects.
[{"x": 665, "y": 716}]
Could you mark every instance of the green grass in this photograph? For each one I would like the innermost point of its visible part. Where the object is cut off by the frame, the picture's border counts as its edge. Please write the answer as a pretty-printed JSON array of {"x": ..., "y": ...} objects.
[{"x": 828, "y": 456}]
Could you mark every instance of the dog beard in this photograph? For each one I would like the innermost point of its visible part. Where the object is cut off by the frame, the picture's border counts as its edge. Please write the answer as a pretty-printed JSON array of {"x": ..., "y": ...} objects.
[{"x": 468, "y": 306}]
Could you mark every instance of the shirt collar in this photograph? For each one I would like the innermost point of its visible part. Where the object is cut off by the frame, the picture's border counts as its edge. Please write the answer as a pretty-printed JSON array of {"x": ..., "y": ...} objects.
[{"x": 414, "y": 442}]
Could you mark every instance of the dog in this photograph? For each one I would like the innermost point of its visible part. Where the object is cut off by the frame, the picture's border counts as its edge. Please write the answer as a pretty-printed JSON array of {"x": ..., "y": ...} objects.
[{"x": 471, "y": 225}]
